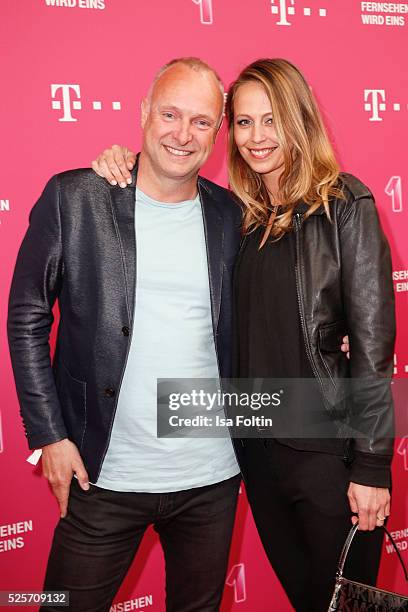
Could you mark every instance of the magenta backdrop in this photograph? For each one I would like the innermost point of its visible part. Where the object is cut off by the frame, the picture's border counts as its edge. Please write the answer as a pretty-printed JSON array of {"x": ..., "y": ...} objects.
[{"x": 73, "y": 74}]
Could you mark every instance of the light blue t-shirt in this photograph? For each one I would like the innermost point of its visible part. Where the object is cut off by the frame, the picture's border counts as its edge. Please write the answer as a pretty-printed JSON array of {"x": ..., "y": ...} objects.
[{"x": 172, "y": 338}]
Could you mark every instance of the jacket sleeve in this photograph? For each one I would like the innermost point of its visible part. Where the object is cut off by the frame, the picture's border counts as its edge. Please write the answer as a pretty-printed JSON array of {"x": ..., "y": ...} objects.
[
  {"x": 369, "y": 303},
  {"x": 35, "y": 286}
]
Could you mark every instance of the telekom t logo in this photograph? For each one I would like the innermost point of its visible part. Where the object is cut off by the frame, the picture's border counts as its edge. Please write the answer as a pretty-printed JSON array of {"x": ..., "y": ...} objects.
[
  {"x": 286, "y": 8},
  {"x": 67, "y": 104},
  {"x": 283, "y": 10},
  {"x": 374, "y": 102},
  {"x": 69, "y": 95},
  {"x": 206, "y": 11}
]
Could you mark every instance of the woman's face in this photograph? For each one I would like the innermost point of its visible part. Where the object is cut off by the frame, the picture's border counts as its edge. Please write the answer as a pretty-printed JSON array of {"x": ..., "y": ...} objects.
[{"x": 254, "y": 130}]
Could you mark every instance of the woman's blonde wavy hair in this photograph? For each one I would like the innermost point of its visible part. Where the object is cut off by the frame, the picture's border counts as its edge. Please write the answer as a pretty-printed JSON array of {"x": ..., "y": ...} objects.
[{"x": 310, "y": 172}]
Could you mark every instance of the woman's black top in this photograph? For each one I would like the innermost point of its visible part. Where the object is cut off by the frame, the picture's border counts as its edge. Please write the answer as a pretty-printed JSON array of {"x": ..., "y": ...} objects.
[
  {"x": 269, "y": 343},
  {"x": 269, "y": 337}
]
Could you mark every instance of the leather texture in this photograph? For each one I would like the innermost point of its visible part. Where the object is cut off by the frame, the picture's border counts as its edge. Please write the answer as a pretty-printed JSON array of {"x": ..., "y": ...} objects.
[
  {"x": 344, "y": 281},
  {"x": 344, "y": 286},
  {"x": 80, "y": 248}
]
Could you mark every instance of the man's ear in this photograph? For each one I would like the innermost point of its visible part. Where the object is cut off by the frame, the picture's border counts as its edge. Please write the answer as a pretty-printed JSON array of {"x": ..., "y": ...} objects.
[{"x": 145, "y": 110}]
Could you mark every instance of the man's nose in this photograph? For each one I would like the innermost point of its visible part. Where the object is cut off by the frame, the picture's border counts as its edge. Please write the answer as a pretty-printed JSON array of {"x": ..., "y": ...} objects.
[{"x": 183, "y": 132}]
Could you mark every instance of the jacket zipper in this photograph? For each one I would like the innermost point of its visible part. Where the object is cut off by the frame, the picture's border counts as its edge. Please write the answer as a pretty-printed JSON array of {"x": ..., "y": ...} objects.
[
  {"x": 299, "y": 291},
  {"x": 298, "y": 225},
  {"x": 241, "y": 246}
]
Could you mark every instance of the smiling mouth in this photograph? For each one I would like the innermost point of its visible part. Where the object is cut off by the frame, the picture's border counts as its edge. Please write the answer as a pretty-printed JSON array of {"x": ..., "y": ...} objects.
[
  {"x": 177, "y": 152},
  {"x": 262, "y": 153}
]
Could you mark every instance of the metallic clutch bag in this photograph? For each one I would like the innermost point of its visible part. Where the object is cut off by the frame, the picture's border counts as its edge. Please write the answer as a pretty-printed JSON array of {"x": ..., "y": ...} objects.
[{"x": 354, "y": 596}]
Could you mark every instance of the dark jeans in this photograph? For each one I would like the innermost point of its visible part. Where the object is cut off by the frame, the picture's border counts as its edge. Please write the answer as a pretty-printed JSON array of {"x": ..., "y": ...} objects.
[
  {"x": 95, "y": 544},
  {"x": 300, "y": 507}
]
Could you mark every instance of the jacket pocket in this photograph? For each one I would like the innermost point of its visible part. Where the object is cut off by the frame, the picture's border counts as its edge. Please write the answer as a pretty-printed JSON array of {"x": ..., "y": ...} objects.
[
  {"x": 334, "y": 361},
  {"x": 331, "y": 336},
  {"x": 72, "y": 396}
]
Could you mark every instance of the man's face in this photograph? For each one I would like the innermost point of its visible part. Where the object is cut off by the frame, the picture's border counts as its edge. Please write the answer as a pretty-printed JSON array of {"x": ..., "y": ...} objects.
[{"x": 180, "y": 121}]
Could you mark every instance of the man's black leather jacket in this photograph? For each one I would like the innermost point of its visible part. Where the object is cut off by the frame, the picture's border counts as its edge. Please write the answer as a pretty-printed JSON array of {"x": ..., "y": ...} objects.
[{"x": 80, "y": 248}]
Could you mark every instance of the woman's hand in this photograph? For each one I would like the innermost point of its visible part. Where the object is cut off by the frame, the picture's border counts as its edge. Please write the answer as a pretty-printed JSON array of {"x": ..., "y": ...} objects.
[
  {"x": 345, "y": 347},
  {"x": 371, "y": 504},
  {"x": 114, "y": 165}
]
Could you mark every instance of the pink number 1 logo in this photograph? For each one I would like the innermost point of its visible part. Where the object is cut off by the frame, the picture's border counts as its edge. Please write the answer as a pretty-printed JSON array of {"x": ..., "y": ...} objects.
[
  {"x": 394, "y": 189},
  {"x": 403, "y": 450},
  {"x": 206, "y": 11},
  {"x": 236, "y": 579}
]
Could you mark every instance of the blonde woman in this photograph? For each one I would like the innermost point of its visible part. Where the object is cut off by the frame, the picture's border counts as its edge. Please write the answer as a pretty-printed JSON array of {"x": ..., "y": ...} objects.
[{"x": 313, "y": 265}]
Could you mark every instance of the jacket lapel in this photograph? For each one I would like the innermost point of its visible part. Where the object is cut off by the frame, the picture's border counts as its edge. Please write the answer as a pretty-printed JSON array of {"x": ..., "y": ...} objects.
[
  {"x": 214, "y": 240},
  {"x": 123, "y": 211}
]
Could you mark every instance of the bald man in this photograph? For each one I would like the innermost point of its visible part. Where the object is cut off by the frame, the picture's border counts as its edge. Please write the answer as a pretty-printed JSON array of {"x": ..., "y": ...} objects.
[{"x": 143, "y": 280}]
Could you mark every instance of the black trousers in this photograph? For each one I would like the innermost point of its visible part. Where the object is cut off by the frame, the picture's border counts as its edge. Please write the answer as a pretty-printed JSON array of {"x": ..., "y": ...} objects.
[
  {"x": 300, "y": 507},
  {"x": 94, "y": 545}
]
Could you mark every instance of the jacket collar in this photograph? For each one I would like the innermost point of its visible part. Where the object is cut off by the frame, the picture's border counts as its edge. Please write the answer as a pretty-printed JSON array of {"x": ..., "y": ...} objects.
[
  {"x": 302, "y": 208},
  {"x": 123, "y": 212},
  {"x": 123, "y": 209},
  {"x": 214, "y": 242}
]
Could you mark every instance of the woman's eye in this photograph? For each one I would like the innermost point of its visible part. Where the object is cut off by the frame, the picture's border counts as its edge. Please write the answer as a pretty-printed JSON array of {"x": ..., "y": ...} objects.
[
  {"x": 269, "y": 121},
  {"x": 243, "y": 122}
]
